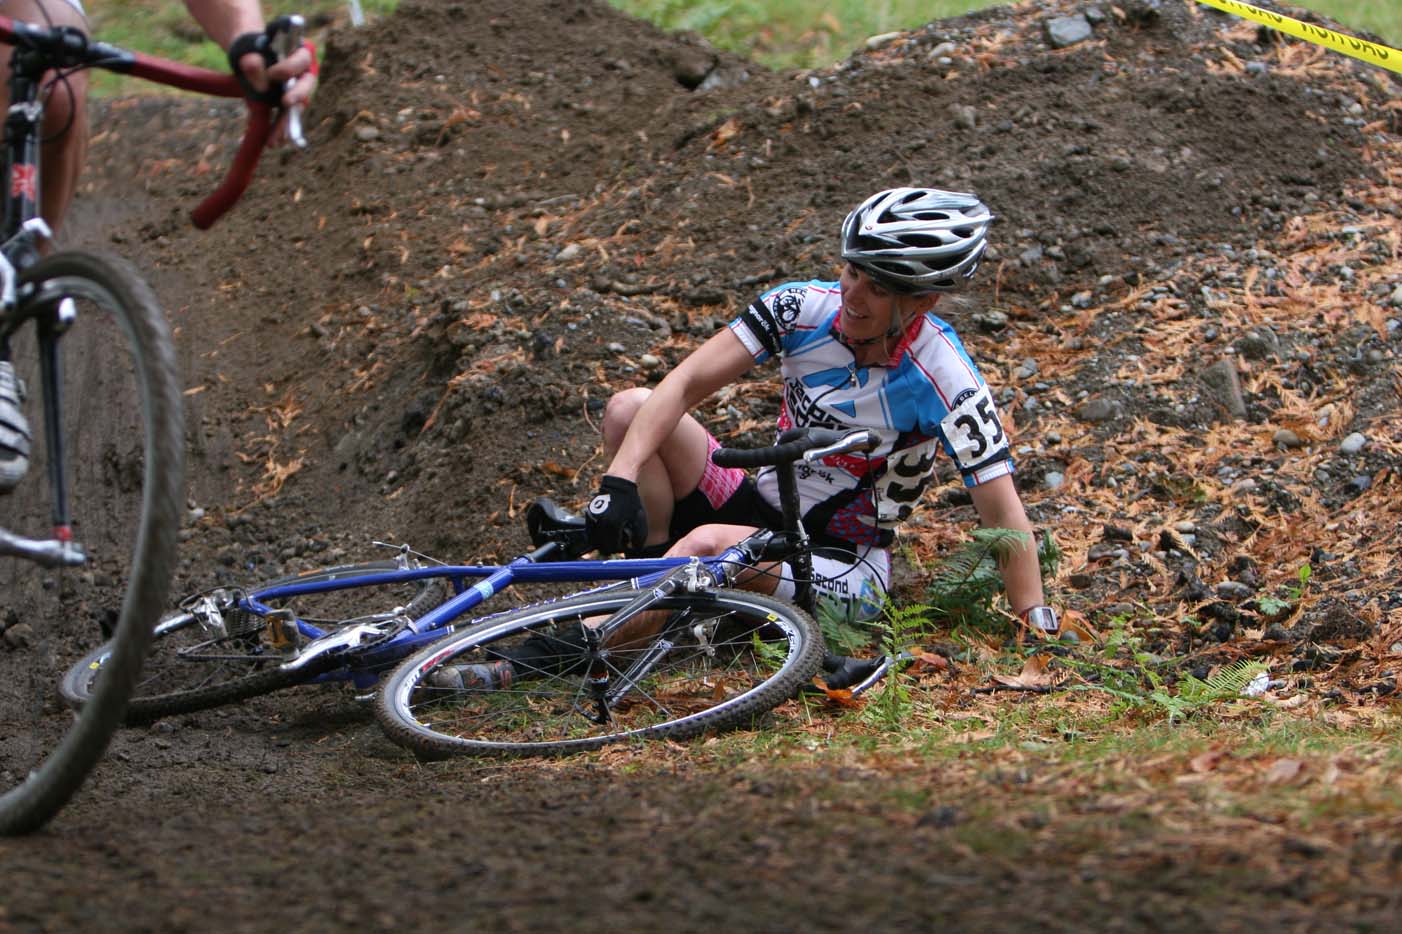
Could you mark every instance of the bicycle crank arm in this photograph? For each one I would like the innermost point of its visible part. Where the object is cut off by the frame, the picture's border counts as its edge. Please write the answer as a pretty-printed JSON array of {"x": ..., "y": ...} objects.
[
  {"x": 49, "y": 553},
  {"x": 348, "y": 639}
]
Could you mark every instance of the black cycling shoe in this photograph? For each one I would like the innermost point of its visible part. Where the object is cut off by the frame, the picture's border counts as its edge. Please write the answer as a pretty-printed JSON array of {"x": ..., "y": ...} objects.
[
  {"x": 842, "y": 672},
  {"x": 14, "y": 429}
]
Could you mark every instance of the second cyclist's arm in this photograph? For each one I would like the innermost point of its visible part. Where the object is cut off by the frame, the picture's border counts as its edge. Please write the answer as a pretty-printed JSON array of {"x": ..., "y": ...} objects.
[
  {"x": 713, "y": 365},
  {"x": 225, "y": 20}
]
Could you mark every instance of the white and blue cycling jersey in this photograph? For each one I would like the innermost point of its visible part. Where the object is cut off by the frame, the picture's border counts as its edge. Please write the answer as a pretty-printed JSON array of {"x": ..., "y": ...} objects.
[{"x": 928, "y": 395}]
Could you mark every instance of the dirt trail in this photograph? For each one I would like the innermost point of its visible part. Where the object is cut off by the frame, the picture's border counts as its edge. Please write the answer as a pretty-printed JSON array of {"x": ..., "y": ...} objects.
[{"x": 410, "y": 331}]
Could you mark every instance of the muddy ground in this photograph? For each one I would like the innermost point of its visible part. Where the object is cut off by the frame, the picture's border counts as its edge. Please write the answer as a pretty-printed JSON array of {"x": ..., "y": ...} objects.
[{"x": 510, "y": 210}]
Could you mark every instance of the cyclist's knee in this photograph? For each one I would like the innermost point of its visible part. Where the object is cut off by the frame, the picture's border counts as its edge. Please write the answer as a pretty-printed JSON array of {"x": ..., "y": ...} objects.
[
  {"x": 65, "y": 110},
  {"x": 707, "y": 540},
  {"x": 622, "y": 408}
]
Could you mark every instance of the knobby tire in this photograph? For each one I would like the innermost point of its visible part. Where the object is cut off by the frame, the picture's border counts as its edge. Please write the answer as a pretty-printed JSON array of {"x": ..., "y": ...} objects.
[
  {"x": 113, "y": 286},
  {"x": 177, "y": 684},
  {"x": 763, "y": 651}
]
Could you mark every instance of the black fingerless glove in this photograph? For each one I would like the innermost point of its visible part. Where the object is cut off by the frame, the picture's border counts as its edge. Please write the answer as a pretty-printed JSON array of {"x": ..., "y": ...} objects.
[
  {"x": 616, "y": 520},
  {"x": 260, "y": 44}
]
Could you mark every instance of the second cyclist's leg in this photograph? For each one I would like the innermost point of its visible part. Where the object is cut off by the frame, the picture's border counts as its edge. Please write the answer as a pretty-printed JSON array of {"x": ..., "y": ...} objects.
[
  {"x": 15, "y": 437},
  {"x": 65, "y": 129},
  {"x": 65, "y": 135}
]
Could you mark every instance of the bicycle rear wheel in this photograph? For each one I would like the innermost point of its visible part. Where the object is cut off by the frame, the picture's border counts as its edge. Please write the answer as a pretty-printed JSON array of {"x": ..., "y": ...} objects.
[
  {"x": 223, "y": 654},
  {"x": 123, "y": 453},
  {"x": 734, "y": 656}
]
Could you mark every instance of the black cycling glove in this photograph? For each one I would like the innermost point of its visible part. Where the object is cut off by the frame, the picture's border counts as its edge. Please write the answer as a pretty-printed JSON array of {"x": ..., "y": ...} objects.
[
  {"x": 616, "y": 520},
  {"x": 261, "y": 43}
]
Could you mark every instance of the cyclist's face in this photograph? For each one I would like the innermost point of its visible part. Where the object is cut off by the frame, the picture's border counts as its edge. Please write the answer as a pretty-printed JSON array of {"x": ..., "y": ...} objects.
[{"x": 867, "y": 307}]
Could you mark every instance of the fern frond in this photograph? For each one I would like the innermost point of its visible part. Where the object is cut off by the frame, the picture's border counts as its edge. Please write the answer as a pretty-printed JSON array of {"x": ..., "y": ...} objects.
[
  {"x": 976, "y": 560},
  {"x": 1234, "y": 678}
]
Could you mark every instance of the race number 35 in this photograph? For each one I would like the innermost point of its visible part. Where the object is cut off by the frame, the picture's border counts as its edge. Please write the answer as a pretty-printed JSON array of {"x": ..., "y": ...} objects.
[{"x": 973, "y": 429}]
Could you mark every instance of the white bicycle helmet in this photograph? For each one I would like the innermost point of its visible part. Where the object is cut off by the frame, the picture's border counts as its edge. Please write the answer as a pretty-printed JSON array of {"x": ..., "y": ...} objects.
[{"x": 917, "y": 239}]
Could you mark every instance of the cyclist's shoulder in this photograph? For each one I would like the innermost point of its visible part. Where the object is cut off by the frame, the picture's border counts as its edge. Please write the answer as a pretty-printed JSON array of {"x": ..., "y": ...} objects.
[
  {"x": 935, "y": 360},
  {"x": 801, "y": 294},
  {"x": 934, "y": 338},
  {"x": 795, "y": 310}
]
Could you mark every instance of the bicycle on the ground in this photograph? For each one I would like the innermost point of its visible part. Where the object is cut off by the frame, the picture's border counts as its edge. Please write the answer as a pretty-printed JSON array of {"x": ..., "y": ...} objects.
[
  {"x": 654, "y": 647},
  {"x": 87, "y": 358}
]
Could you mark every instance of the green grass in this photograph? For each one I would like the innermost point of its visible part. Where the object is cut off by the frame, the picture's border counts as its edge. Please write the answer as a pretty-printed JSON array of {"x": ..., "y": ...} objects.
[{"x": 1382, "y": 18}]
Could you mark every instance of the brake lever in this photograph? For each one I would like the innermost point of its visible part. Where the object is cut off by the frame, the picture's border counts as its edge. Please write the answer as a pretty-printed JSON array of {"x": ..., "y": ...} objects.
[
  {"x": 289, "y": 40},
  {"x": 862, "y": 440}
]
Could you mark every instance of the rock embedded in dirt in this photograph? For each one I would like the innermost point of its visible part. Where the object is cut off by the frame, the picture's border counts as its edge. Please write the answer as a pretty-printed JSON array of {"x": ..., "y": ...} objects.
[{"x": 1063, "y": 31}]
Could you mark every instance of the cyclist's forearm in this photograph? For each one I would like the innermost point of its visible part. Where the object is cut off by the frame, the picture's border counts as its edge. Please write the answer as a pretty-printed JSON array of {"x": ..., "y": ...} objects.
[
  {"x": 1022, "y": 578},
  {"x": 999, "y": 507},
  {"x": 225, "y": 20},
  {"x": 716, "y": 363}
]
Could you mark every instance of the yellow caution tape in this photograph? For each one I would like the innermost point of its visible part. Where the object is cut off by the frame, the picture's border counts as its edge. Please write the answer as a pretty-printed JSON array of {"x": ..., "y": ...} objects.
[{"x": 1370, "y": 52}]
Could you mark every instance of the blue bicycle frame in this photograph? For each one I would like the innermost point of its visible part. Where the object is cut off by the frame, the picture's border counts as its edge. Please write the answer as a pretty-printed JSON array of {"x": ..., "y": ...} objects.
[{"x": 365, "y": 665}]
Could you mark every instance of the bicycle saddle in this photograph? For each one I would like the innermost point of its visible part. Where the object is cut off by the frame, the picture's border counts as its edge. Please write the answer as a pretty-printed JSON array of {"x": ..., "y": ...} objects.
[{"x": 548, "y": 522}]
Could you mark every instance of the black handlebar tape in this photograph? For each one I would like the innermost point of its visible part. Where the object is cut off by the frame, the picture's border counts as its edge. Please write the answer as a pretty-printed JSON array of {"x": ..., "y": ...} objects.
[{"x": 792, "y": 445}]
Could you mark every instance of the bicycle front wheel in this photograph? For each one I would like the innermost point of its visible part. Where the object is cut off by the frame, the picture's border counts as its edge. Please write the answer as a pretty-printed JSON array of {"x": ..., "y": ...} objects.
[
  {"x": 216, "y": 652},
  {"x": 724, "y": 658},
  {"x": 121, "y": 433}
]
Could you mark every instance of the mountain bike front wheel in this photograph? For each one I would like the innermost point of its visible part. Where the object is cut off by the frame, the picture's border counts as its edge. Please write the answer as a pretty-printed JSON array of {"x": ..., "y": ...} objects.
[
  {"x": 215, "y": 651},
  {"x": 723, "y": 659},
  {"x": 117, "y": 416}
]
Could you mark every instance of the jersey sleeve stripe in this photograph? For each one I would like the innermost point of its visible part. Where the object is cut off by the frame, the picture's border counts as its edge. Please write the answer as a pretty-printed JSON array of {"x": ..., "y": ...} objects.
[
  {"x": 747, "y": 337},
  {"x": 991, "y": 472}
]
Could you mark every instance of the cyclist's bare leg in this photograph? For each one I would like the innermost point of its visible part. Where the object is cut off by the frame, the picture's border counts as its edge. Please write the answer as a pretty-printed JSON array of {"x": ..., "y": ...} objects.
[
  {"x": 708, "y": 540},
  {"x": 672, "y": 474},
  {"x": 703, "y": 541},
  {"x": 65, "y": 129}
]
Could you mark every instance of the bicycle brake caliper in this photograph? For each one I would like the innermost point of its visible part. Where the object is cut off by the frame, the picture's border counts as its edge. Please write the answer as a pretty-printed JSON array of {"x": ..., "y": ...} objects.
[{"x": 697, "y": 577}]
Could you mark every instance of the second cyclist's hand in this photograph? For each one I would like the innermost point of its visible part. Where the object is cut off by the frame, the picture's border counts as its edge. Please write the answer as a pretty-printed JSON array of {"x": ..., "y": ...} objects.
[
  {"x": 297, "y": 67},
  {"x": 616, "y": 520}
]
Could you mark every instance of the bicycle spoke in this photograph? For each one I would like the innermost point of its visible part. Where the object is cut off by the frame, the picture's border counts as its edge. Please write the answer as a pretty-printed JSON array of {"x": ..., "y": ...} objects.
[{"x": 715, "y": 663}]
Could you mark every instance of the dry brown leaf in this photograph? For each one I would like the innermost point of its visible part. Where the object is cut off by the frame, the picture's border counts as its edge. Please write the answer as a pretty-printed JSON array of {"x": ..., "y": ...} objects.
[
  {"x": 1283, "y": 771},
  {"x": 928, "y": 661},
  {"x": 724, "y": 133},
  {"x": 1035, "y": 673},
  {"x": 841, "y": 697}
]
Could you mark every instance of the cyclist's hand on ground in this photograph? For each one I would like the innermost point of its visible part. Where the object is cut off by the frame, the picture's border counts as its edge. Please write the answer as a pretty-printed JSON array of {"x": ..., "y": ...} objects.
[{"x": 616, "y": 520}]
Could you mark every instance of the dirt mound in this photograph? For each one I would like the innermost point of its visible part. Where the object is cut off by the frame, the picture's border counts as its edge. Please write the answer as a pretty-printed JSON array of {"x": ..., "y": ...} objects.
[{"x": 511, "y": 210}]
